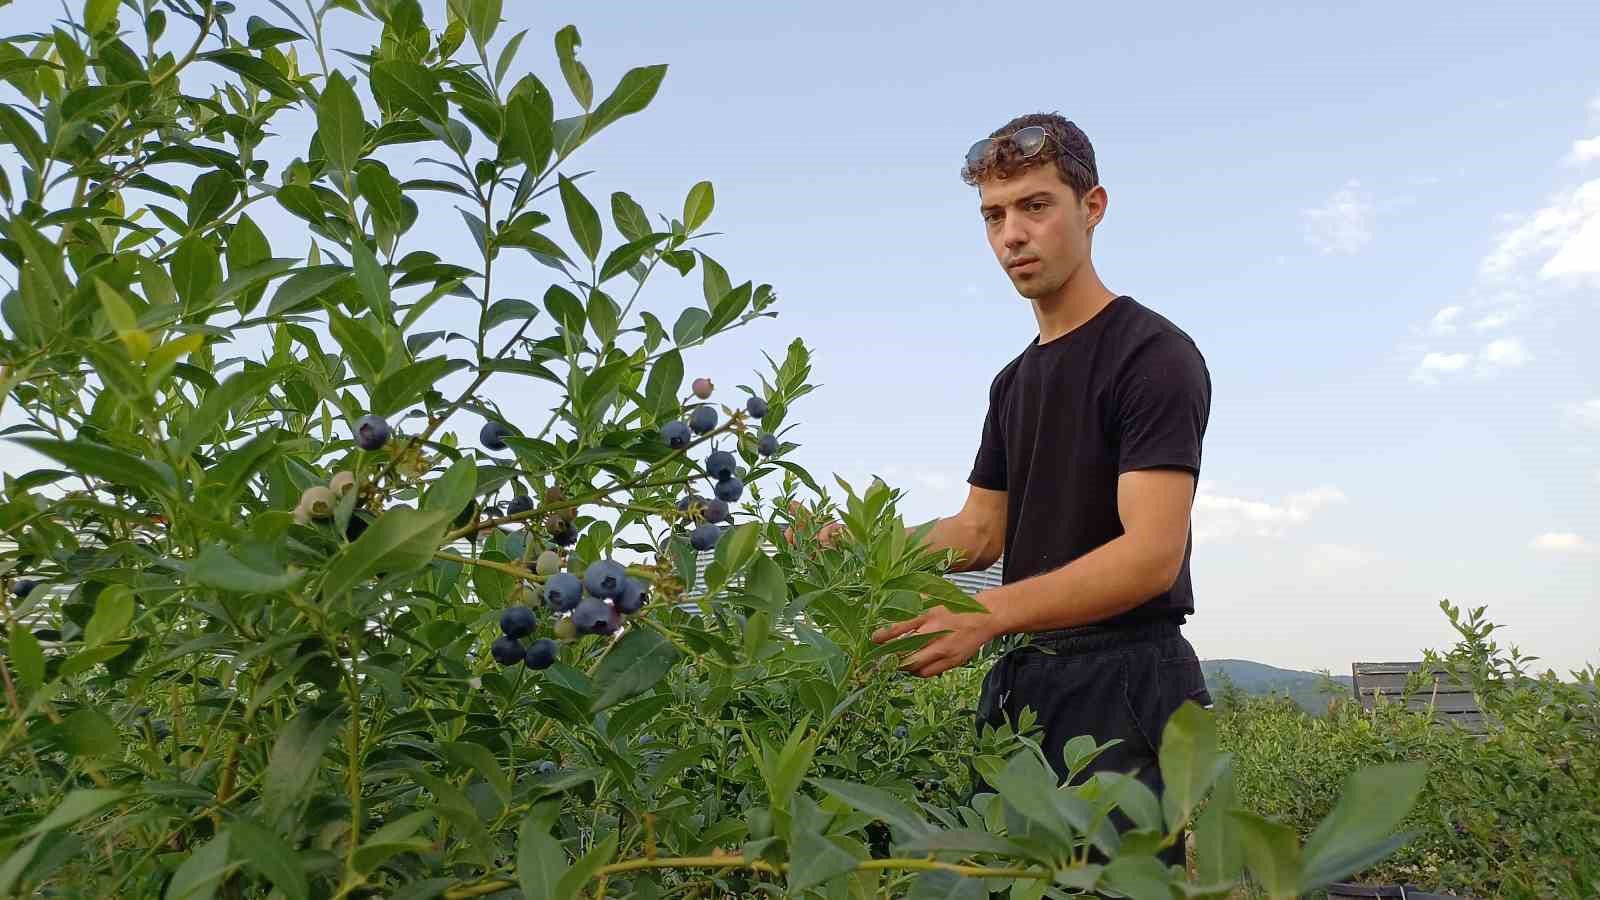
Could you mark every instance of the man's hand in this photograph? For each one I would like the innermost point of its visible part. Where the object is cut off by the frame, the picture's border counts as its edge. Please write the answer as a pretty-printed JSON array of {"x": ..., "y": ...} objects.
[
  {"x": 964, "y": 634},
  {"x": 824, "y": 534}
]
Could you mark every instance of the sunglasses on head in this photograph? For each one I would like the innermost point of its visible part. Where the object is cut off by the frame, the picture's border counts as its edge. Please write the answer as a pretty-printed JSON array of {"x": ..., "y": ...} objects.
[{"x": 1028, "y": 141}]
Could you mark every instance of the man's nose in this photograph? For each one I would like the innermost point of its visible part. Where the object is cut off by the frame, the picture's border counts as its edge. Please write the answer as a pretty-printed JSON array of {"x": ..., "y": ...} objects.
[{"x": 1014, "y": 234}]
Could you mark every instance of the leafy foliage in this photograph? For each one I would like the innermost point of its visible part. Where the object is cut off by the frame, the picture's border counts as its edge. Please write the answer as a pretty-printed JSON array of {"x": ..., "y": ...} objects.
[{"x": 258, "y": 659}]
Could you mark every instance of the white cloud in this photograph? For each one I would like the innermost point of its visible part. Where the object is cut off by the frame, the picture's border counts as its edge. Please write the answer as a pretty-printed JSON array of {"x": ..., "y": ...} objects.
[
  {"x": 1583, "y": 415},
  {"x": 1444, "y": 321},
  {"x": 1561, "y": 542},
  {"x": 1343, "y": 224},
  {"x": 1504, "y": 353},
  {"x": 1327, "y": 560},
  {"x": 1562, "y": 239},
  {"x": 1494, "y": 320},
  {"x": 1584, "y": 151},
  {"x": 1219, "y": 517},
  {"x": 1428, "y": 369}
]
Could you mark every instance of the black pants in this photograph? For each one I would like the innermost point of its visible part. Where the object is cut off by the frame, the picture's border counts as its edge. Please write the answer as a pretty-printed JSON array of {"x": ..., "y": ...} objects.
[{"x": 1105, "y": 682}]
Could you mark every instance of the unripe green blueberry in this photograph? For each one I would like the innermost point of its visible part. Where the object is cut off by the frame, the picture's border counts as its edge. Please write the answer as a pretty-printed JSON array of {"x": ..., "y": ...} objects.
[
  {"x": 318, "y": 501},
  {"x": 549, "y": 563}
]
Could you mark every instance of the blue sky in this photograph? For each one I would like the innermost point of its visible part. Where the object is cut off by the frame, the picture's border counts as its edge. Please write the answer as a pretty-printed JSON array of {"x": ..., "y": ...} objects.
[{"x": 1380, "y": 223}]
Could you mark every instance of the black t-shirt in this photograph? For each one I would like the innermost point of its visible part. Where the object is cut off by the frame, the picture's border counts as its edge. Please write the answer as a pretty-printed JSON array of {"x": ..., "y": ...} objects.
[{"x": 1125, "y": 390}]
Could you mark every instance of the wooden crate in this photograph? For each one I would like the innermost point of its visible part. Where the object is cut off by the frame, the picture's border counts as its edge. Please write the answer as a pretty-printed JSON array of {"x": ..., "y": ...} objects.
[{"x": 1450, "y": 701}]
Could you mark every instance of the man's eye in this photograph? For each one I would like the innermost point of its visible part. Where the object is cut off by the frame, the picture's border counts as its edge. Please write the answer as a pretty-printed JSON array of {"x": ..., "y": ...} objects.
[{"x": 1036, "y": 206}]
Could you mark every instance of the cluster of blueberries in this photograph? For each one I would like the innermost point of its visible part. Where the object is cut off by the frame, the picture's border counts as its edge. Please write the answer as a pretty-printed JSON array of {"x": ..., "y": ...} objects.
[
  {"x": 720, "y": 465},
  {"x": 596, "y": 605}
]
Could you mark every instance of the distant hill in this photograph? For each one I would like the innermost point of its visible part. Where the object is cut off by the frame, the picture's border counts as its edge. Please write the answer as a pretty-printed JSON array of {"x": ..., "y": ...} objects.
[{"x": 1259, "y": 679}]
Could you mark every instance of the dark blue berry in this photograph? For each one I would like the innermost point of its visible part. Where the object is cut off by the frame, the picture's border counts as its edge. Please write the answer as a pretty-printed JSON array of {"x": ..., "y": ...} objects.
[
  {"x": 705, "y": 537},
  {"x": 546, "y": 767},
  {"x": 756, "y": 407},
  {"x": 591, "y": 615},
  {"x": 901, "y": 732},
  {"x": 633, "y": 596},
  {"x": 729, "y": 489},
  {"x": 563, "y": 591},
  {"x": 541, "y": 654},
  {"x": 23, "y": 588},
  {"x": 506, "y": 651},
  {"x": 519, "y": 504},
  {"x": 703, "y": 419},
  {"x": 715, "y": 511},
  {"x": 492, "y": 435},
  {"x": 768, "y": 444},
  {"x": 676, "y": 434},
  {"x": 372, "y": 432},
  {"x": 719, "y": 465},
  {"x": 565, "y": 534},
  {"x": 605, "y": 578},
  {"x": 518, "y": 622}
]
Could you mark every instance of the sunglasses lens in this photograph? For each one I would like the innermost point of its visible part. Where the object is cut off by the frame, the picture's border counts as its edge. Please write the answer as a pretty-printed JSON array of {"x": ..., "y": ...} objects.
[
  {"x": 1029, "y": 140},
  {"x": 975, "y": 155}
]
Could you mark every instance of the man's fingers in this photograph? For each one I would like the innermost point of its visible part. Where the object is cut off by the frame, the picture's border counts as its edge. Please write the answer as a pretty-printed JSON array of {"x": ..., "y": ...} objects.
[{"x": 891, "y": 632}]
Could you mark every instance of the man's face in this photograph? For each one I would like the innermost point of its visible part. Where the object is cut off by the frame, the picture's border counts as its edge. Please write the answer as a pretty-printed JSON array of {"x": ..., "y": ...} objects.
[{"x": 1038, "y": 228}]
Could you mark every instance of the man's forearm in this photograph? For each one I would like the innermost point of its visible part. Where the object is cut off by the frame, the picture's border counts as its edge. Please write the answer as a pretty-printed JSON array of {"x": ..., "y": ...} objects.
[
  {"x": 951, "y": 533},
  {"x": 1111, "y": 579}
]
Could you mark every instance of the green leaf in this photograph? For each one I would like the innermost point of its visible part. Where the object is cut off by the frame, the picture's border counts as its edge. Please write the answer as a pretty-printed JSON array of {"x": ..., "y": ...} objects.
[
  {"x": 1190, "y": 763},
  {"x": 478, "y": 757},
  {"x": 582, "y": 219},
  {"x": 697, "y": 206},
  {"x": 19, "y": 133},
  {"x": 363, "y": 348},
  {"x": 814, "y": 860},
  {"x": 212, "y": 194},
  {"x": 939, "y": 591},
  {"x": 965, "y": 840},
  {"x": 257, "y": 71},
  {"x": 1030, "y": 788},
  {"x": 1358, "y": 831},
  {"x": 301, "y": 201},
  {"x": 90, "y": 733},
  {"x": 339, "y": 123},
  {"x": 582, "y": 871},
  {"x": 875, "y": 802},
  {"x": 79, "y": 804},
  {"x": 401, "y": 540},
  {"x": 541, "y": 863},
  {"x": 372, "y": 279},
  {"x": 603, "y": 317},
  {"x": 97, "y": 14},
  {"x": 303, "y": 287},
  {"x": 1217, "y": 843},
  {"x": 393, "y": 838},
  {"x": 213, "y": 410},
  {"x": 27, "y": 658},
  {"x": 737, "y": 548},
  {"x": 690, "y": 326},
  {"x": 406, "y": 386},
  {"x": 1137, "y": 877},
  {"x": 102, "y": 462},
  {"x": 527, "y": 134},
  {"x": 268, "y": 856},
  {"x": 508, "y": 54},
  {"x": 453, "y": 489},
  {"x": 946, "y": 886},
  {"x": 1133, "y": 797},
  {"x": 1272, "y": 852},
  {"x": 215, "y": 567},
  {"x": 640, "y": 659},
  {"x": 295, "y": 758},
  {"x": 383, "y": 195},
  {"x": 410, "y": 87},
  {"x": 86, "y": 101},
  {"x": 632, "y": 94},
  {"x": 630, "y": 217},
  {"x": 196, "y": 270},
  {"x": 567, "y": 44},
  {"x": 508, "y": 310},
  {"x": 113, "y": 610},
  {"x": 482, "y": 17},
  {"x": 201, "y": 873},
  {"x": 247, "y": 248},
  {"x": 661, "y": 389},
  {"x": 84, "y": 660}
]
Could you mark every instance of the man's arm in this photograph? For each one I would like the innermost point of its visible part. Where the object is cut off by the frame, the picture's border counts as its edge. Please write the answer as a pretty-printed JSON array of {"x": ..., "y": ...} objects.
[
  {"x": 1154, "y": 506},
  {"x": 977, "y": 533}
]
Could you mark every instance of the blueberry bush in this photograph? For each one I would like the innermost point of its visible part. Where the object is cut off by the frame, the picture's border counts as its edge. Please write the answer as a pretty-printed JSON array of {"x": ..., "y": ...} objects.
[{"x": 294, "y": 608}]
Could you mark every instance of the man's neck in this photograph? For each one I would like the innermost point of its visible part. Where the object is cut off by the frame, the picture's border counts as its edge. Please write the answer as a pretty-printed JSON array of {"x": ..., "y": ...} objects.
[{"x": 1076, "y": 303}]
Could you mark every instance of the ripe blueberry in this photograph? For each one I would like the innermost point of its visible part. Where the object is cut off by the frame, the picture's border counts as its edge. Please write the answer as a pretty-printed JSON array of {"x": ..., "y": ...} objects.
[
  {"x": 719, "y": 465},
  {"x": 541, "y": 654},
  {"x": 566, "y": 537},
  {"x": 372, "y": 432},
  {"x": 702, "y": 388},
  {"x": 768, "y": 444},
  {"x": 729, "y": 489},
  {"x": 506, "y": 651},
  {"x": 633, "y": 596},
  {"x": 591, "y": 615},
  {"x": 715, "y": 511},
  {"x": 563, "y": 591},
  {"x": 705, "y": 537},
  {"x": 605, "y": 578},
  {"x": 492, "y": 435},
  {"x": 676, "y": 434},
  {"x": 23, "y": 588},
  {"x": 518, "y": 622},
  {"x": 610, "y": 623},
  {"x": 703, "y": 419},
  {"x": 901, "y": 732},
  {"x": 549, "y": 563},
  {"x": 546, "y": 767},
  {"x": 756, "y": 407},
  {"x": 519, "y": 504}
]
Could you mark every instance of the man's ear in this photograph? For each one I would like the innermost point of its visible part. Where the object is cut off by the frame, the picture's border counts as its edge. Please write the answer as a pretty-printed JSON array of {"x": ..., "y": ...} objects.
[{"x": 1094, "y": 205}]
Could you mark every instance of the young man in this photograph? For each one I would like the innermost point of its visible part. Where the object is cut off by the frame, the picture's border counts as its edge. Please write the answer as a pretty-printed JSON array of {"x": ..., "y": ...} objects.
[{"x": 1084, "y": 477}]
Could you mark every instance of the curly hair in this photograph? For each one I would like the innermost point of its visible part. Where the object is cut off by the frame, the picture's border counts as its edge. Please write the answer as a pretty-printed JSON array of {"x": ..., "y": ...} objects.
[{"x": 1068, "y": 141}]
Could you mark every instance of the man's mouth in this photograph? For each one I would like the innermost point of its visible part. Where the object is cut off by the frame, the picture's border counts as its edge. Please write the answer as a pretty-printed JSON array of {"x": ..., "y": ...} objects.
[{"x": 1019, "y": 263}]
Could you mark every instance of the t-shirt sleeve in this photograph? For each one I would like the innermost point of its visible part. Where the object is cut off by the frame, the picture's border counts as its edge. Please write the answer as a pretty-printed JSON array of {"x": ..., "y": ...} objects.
[
  {"x": 1163, "y": 405},
  {"x": 989, "y": 467}
]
